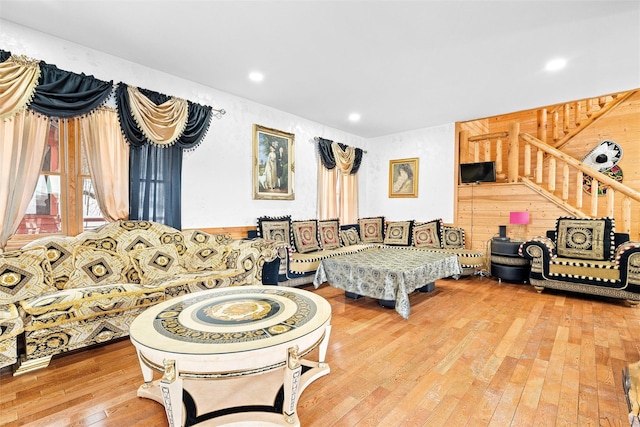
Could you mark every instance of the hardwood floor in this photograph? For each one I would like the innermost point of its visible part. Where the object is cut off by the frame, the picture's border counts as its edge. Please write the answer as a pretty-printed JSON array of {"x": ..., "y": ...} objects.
[{"x": 474, "y": 352}]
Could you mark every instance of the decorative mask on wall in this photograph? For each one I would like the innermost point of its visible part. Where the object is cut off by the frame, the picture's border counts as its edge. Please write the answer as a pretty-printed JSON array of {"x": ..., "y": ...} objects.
[{"x": 603, "y": 158}]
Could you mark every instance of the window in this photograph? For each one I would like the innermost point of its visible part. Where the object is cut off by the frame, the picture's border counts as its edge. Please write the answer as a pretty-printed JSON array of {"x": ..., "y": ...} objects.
[{"x": 64, "y": 200}]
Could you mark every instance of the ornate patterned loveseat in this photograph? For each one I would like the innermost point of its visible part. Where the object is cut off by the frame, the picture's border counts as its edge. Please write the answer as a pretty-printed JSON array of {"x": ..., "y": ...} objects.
[
  {"x": 586, "y": 256},
  {"x": 62, "y": 293}
]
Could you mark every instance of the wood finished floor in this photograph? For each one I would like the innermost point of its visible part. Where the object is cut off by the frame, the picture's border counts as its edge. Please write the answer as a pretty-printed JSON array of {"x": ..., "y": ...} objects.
[{"x": 474, "y": 352}]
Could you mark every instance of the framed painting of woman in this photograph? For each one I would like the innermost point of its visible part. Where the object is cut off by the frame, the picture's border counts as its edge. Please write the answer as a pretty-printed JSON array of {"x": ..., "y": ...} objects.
[
  {"x": 403, "y": 178},
  {"x": 273, "y": 164}
]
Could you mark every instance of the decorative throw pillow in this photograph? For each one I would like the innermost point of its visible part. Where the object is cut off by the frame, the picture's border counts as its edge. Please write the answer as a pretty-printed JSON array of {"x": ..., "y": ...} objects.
[
  {"x": 372, "y": 229},
  {"x": 305, "y": 236},
  {"x": 275, "y": 228},
  {"x": 93, "y": 267},
  {"x": 398, "y": 233},
  {"x": 453, "y": 237},
  {"x": 329, "y": 230},
  {"x": 427, "y": 234},
  {"x": 208, "y": 258},
  {"x": 350, "y": 237},
  {"x": 585, "y": 238},
  {"x": 24, "y": 274},
  {"x": 154, "y": 263}
]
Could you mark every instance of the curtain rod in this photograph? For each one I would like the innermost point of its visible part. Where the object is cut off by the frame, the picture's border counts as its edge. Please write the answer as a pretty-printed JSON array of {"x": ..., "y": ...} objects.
[{"x": 317, "y": 139}]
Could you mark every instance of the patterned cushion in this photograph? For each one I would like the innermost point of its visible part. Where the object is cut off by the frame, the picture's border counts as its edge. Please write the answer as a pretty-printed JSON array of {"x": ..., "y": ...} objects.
[
  {"x": 585, "y": 238},
  {"x": 427, "y": 234},
  {"x": 398, "y": 233},
  {"x": 350, "y": 237},
  {"x": 208, "y": 258},
  {"x": 275, "y": 228},
  {"x": 329, "y": 231},
  {"x": 372, "y": 229},
  {"x": 305, "y": 236},
  {"x": 93, "y": 267},
  {"x": 24, "y": 274},
  {"x": 453, "y": 237},
  {"x": 153, "y": 263}
]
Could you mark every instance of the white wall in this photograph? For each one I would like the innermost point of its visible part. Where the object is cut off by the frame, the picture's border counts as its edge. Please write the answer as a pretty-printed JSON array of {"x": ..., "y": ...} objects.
[
  {"x": 434, "y": 147},
  {"x": 217, "y": 176}
]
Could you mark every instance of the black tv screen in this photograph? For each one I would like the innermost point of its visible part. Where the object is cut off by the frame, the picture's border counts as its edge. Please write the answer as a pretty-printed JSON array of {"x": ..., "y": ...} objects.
[{"x": 478, "y": 172}]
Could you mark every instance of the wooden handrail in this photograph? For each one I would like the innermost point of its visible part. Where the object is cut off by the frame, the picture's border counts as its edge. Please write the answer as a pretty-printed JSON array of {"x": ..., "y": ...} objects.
[{"x": 586, "y": 170}]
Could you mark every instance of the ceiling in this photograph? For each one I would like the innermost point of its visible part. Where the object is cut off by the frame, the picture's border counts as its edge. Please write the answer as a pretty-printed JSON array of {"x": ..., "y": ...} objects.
[{"x": 401, "y": 65}]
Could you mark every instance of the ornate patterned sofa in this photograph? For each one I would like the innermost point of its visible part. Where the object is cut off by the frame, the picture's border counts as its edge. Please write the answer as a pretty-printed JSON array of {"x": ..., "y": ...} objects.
[
  {"x": 62, "y": 293},
  {"x": 586, "y": 256},
  {"x": 305, "y": 243}
]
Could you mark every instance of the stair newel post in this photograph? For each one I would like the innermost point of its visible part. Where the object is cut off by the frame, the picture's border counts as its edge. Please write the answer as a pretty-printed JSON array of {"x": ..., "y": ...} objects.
[
  {"x": 579, "y": 183},
  {"x": 514, "y": 152},
  {"x": 556, "y": 126},
  {"x": 611, "y": 202},
  {"x": 578, "y": 111},
  {"x": 464, "y": 146},
  {"x": 552, "y": 175},
  {"x": 594, "y": 197},
  {"x": 542, "y": 125},
  {"x": 565, "y": 182}
]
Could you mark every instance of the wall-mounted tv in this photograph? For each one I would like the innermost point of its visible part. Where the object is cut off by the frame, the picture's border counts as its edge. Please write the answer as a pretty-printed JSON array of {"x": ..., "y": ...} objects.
[{"x": 478, "y": 172}]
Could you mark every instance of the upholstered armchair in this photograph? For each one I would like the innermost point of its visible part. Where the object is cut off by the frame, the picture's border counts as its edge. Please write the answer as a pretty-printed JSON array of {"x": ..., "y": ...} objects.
[{"x": 586, "y": 256}]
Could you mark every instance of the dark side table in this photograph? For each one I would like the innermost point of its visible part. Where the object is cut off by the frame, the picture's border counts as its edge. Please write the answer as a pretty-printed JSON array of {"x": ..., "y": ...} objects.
[{"x": 506, "y": 264}]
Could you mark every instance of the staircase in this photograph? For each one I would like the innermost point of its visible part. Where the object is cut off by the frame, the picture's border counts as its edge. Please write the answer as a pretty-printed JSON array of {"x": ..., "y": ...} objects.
[{"x": 540, "y": 162}]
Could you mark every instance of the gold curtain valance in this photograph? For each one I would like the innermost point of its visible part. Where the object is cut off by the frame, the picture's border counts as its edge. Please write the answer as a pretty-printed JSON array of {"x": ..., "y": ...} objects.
[
  {"x": 162, "y": 124},
  {"x": 19, "y": 77},
  {"x": 344, "y": 158}
]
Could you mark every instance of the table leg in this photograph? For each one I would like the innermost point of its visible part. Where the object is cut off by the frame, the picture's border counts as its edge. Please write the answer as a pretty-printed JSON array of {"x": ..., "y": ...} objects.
[
  {"x": 292, "y": 374},
  {"x": 171, "y": 388}
]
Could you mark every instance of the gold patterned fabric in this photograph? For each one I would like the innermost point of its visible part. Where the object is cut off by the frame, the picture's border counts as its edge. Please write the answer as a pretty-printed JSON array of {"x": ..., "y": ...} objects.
[
  {"x": 18, "y": 80},
  {"x": 427, "y": 234},
  {"x": 371, "y": 229},
  {"x": 329, "y": 232},
  {"x": 453, "y": 238},
  {"x": 24, "y": 274},
  {"x": 305, "y": 236},
  {"x": 11, "y": 326},
  {"x": 155, "y": 262},
  {"x": 398, "y": 233},
  {"x": 93, "y": 267},
  {"x": 584, "y": 238},
  {"x": 350, "y": 236}
]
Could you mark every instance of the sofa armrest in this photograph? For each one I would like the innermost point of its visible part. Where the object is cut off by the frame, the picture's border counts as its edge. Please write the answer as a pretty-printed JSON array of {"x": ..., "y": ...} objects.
[
  {"x": 539, "y": 250},
  {"x": 628, "y": 261}
]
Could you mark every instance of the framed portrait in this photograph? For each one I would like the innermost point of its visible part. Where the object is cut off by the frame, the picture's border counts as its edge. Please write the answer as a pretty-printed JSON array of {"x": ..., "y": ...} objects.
[
  {"x": 273, "y": 164},
  {"x": 403, "y": 178}
]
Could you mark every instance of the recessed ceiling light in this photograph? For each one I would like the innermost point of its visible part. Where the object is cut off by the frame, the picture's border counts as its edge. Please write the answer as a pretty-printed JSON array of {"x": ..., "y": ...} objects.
[
  {"x": 256, "y": 76},
  {"x": 354, "y": 117},
  {"x": 556, "y": 64}
]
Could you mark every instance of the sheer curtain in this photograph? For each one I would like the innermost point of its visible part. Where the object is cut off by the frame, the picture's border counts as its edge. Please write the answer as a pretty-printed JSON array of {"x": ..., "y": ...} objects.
[
  {"x": 108, "y": 158},
  {"x": 23, "y": 140},
  {"x": 338, "y": 181}
]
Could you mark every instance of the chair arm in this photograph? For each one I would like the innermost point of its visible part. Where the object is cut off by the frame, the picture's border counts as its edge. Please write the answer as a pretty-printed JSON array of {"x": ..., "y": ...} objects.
[
  {"x": 628, "y": 262},
  {"x": 547, "y": 249}
]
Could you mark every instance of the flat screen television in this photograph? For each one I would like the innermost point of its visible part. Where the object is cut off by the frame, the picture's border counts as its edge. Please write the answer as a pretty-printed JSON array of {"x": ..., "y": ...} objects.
[{"x": 478, "y": 172}]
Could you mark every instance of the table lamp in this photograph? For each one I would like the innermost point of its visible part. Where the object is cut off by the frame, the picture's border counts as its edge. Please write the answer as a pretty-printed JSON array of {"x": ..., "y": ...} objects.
[{"x": 520, "y": 220}]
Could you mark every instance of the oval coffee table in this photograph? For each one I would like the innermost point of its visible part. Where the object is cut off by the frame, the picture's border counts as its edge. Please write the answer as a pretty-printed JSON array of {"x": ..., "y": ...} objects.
[{"x": 232, "y": 355}]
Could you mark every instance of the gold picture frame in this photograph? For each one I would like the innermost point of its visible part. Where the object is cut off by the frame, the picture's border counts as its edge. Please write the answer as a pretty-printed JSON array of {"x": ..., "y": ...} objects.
[
  {"x": 273, "y": 164},
  {"x": 403, "y": 178}
]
